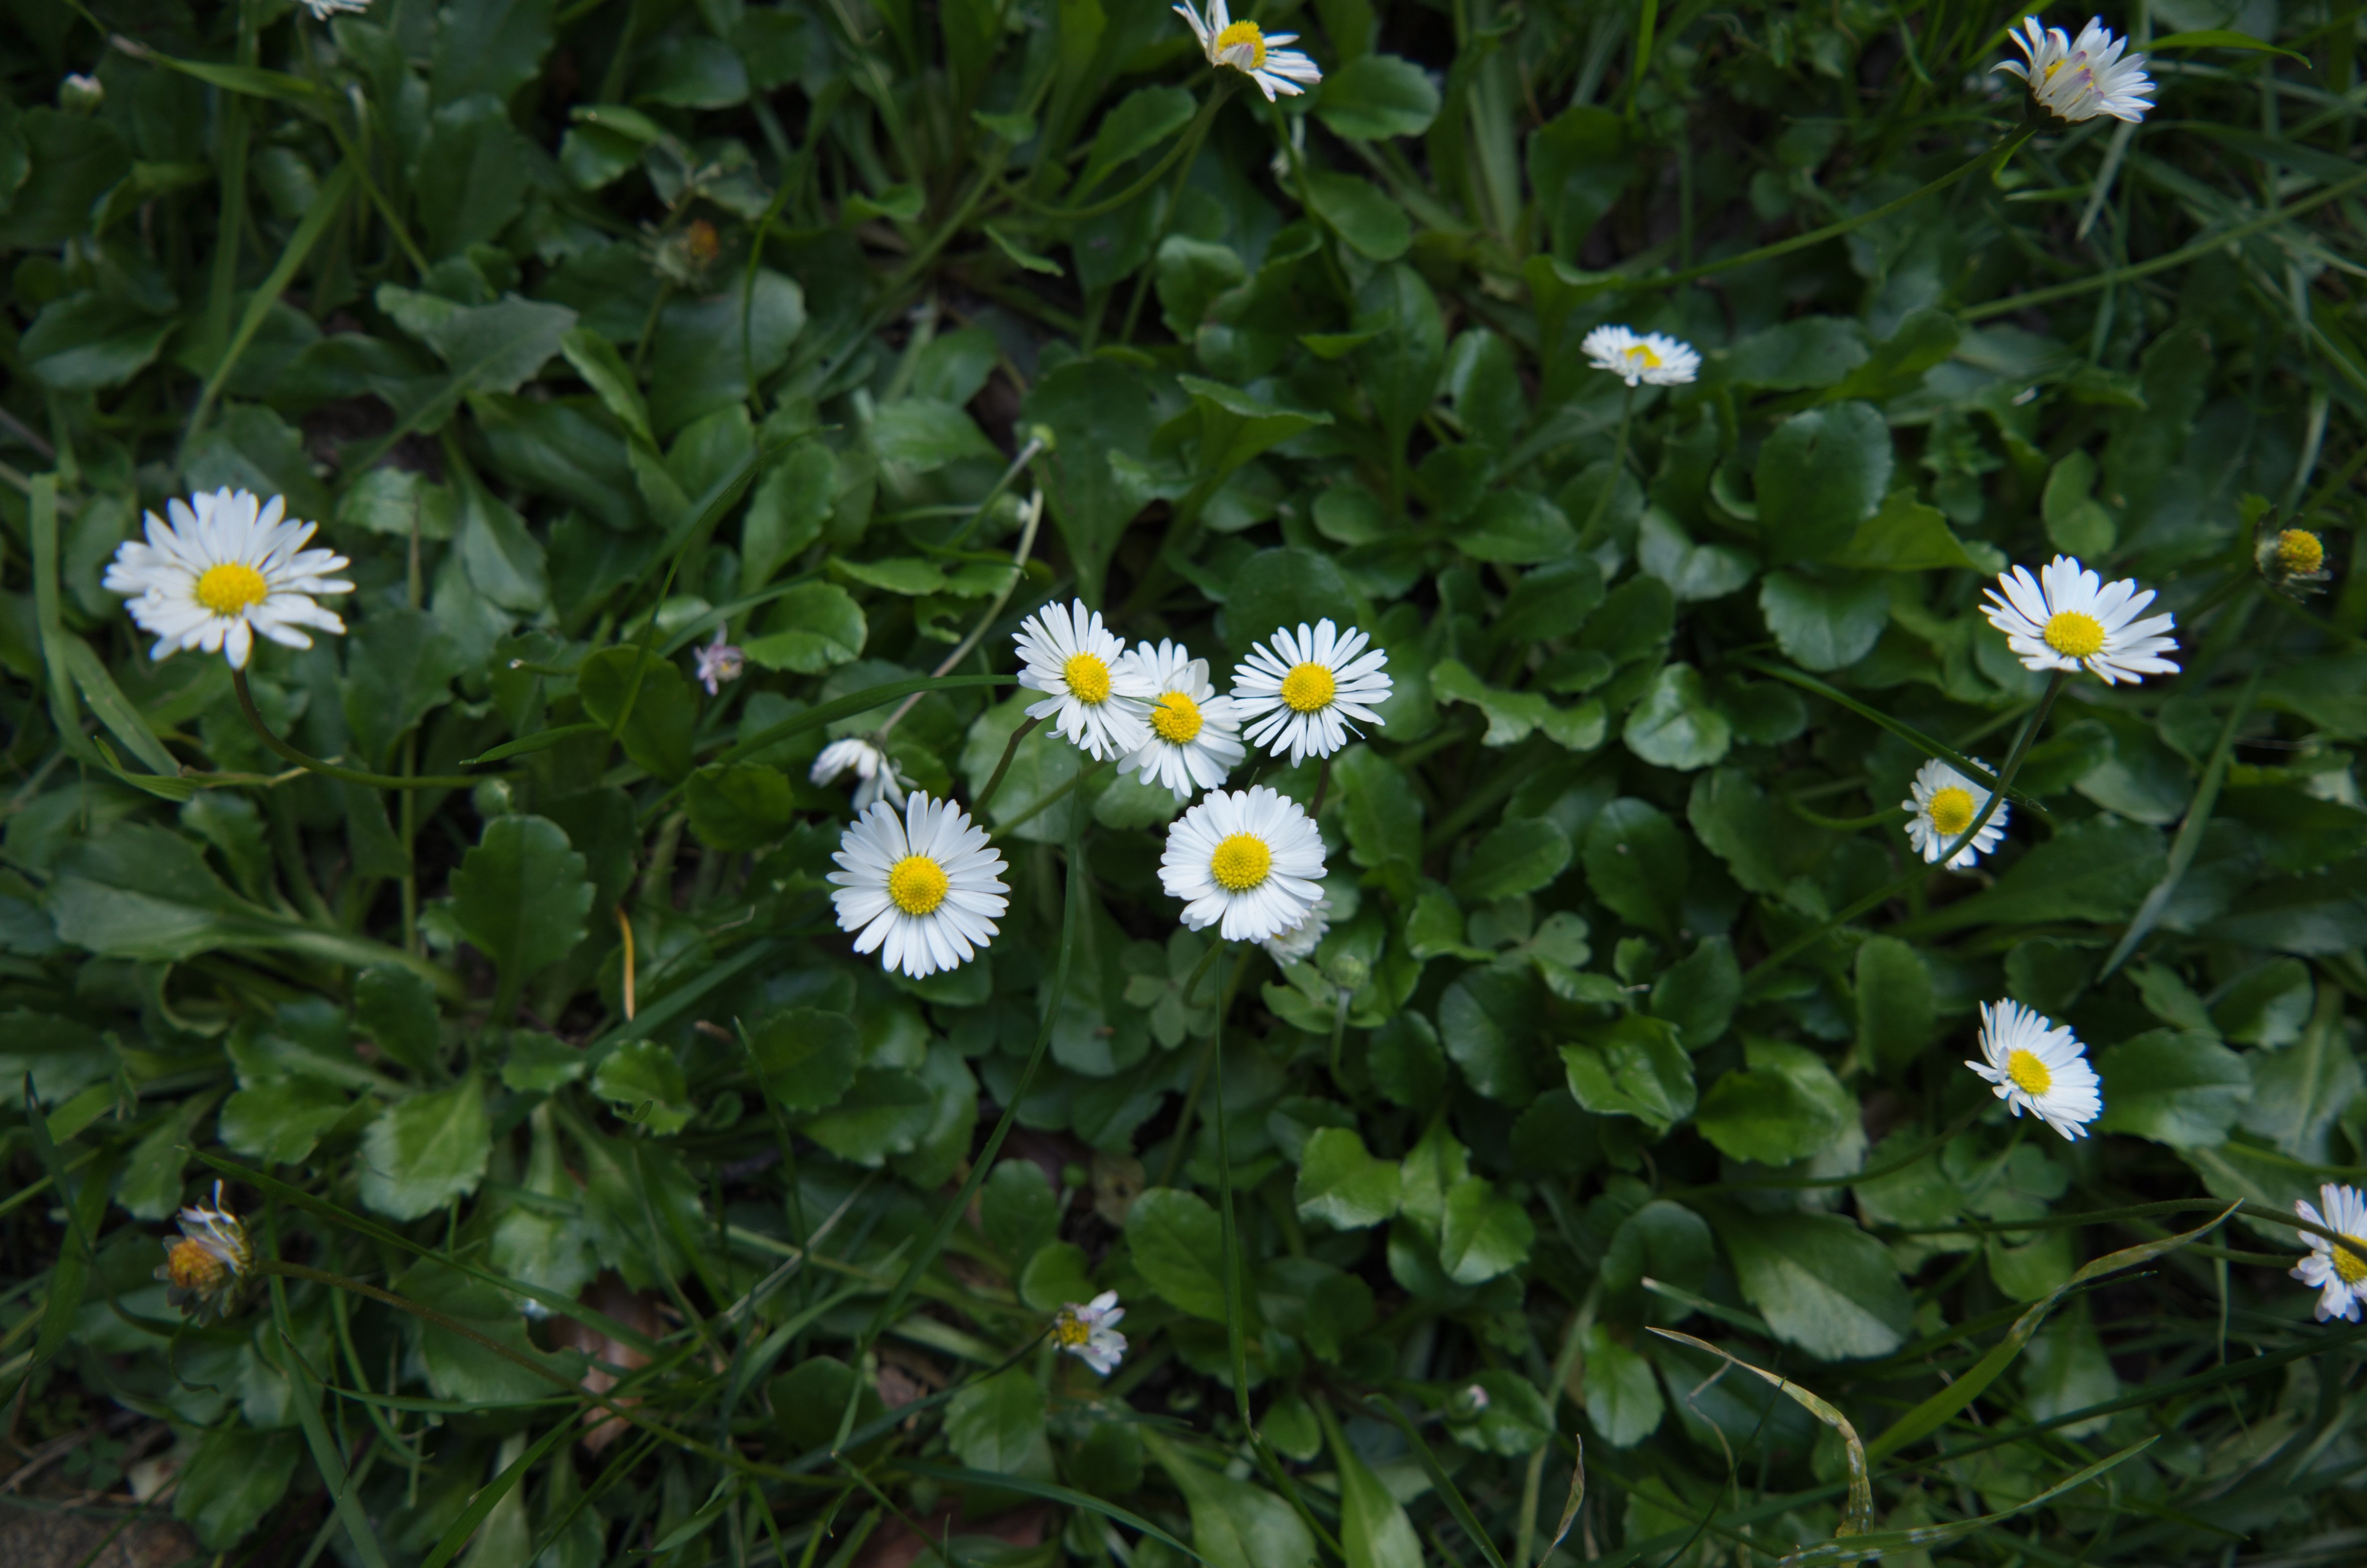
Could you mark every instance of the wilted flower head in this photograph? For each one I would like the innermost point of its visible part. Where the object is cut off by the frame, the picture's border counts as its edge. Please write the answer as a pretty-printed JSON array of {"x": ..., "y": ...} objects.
[
  {"x": 2079, "y": 79},
  {"x": 226, "y": 568},
  {"x": 874, "y": 771},
  {"x": 719, "y": 662},
  {"x": 205, "y": 1269},
  {"x": 1089, "y": 1333}
]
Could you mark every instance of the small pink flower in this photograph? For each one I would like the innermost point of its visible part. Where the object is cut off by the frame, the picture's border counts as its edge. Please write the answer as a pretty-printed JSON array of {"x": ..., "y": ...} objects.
[{"x": 718, "y": 662}]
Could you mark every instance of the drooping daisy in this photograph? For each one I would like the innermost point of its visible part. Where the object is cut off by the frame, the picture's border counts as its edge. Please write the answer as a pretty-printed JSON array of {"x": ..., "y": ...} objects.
[
  {"x": 1248, "y": 859},
  {"x": 205, "y": 1269},
  {"x": 226, "y": 568},
  {"x": 924, "y": 889},
  {"x": 1249, "y": 49},
  {"x": 2081, "y": 79},
  {"x": 1192, "y": 738},
  {"x": 1650, "y": 359},
  {"x": 1101, "y": 700},
  {"x": 1289, "y": 947},
  {"x": 2341, "y": 1273},
  {"x": 874, "y": 771},
  {"x": 1089, "y": 1331},
  {"x": 1942, "y": 804},
  {"x": 2070, "y": 619},
  {"x": 718, "y": 662},
  {"x": 1307, "y": 685},
  {"x": 2038, "y": 1067}
]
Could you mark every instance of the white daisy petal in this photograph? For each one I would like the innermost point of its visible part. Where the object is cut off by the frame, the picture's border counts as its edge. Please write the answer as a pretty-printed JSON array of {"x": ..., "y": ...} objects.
[
  {"x": 2071, "y": 620},
  {"x": 2038, "y": 1067},
  {"x": 1641, "y": 358},
  {"x": 1097, "y": 697},
  {"x": 923, "y": 889},
  {"x": 1941, "y": 804},
  {"x": 1293, "y": 691},
  {"x": 1246, "y": 861},
  {"x": 1257, "y": 54},
  {"x": 2338, "y": 1273},
  {"x": 2080, "y": 78},
  {"x": 224, "y": 568}
]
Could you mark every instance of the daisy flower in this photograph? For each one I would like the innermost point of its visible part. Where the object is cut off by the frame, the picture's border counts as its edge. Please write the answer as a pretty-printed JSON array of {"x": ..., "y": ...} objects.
[
  {"x": 226, "y": 568},
  {"x": 2038, "y": 1067},
  {"x": 1250, "y": 859},
  {"x": 2081, "y": 79},
  {"x": 1247, "y": 48},
  {"x": 719, "y": 662},
  {"x": 1098, "y": 695},
  {"x": 1650, "y": 359},
  {"x": 1193, "y": 740},
  {"x": 1307, "y": 685},
  {"x": 2292, "y": 555},
  {"x": 924, "y": 889},
  {"x": 875, "y": 772},
  {"x": 1289, "y": 947},
  {"x": 1088, "y": 1334},
  {"x": 324, "y": 10},
  {"x": 206, "y": 1267},
  {"x": 2070, "y": 619},
  {"x": 1942, "y": 804},
  {"x": 2339, "y": 1272}
]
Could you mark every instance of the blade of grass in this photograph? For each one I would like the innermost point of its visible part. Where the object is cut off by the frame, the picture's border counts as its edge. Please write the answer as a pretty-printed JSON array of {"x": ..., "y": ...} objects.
[
  {"x": 1858, "y": 1517},
  {"x": 2189, "y": 842}
]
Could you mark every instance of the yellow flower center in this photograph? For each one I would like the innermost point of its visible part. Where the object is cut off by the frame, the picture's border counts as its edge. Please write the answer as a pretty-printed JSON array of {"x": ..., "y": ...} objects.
[
  {"x": 1240, "y": 862},
  {"x": 1088, "y": 677},
  {"x": 1308, "y": 688},
  {"x": 2298, "y": 549},
  {"x": 2074, "y": 634},
  {"x": 1952, "y": 811},
  {"x": 190, "y": 1265},
  {"x": 1238, "y": 35},
  {"x": 1642, "y": 355},
  {"x": 1175, "y": 718},
  {"x": 917, "y": 884},
  {"x": 2028, "y": 1073},
  {"x": 1068, "y": 1330},
  {"x": 232, "y": 586},
  {"x": 2048, "y": 75},
  {"x": 2349, "y": 1267}
]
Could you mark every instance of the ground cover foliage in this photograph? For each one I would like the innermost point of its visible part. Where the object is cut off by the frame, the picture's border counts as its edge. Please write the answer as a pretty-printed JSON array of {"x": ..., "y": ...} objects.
[{"x": 588, "y": 329}]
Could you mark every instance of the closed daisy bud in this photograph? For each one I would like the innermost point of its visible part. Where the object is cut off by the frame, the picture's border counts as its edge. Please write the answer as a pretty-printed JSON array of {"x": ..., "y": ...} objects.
[
  {"x": 875, "y": 772},
  {"x": 2340, "y": 1273},
  {"x": 2039, "y": 1066},
  {"x": 2069, "y": 618},
  {"x": 226, "y": 568}
]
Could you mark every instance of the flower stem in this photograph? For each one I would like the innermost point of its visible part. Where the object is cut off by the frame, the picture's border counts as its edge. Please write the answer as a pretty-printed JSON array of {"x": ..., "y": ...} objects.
[
  {"x": 1018, "y": 570},
  {"x": 1618, "y": 467},
  {"x": 328, "y": 769},
  {"x": 994, "y": 780}
]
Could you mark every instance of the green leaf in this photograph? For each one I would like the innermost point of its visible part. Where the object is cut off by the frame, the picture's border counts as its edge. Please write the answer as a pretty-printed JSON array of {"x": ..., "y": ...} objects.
[
  {"x": 656, "y": 705},
  {"x": 1784, "y": 1106},
  {"x": 924, "y": 434},
  {"x": 521, "y": 894},
  {"x": 1489, "y": 1020},
  {"x": 2065, "y": 1369},
  {"x": 604, "y": 369},
  {"x": 1820, "y": 474},
  {"x": 1382, "y": 814},
  {"x": 1373, "y": 1530},
  {"x": 1096, "y": 408},
  {"x": 1514, "y": 716},
  {"x": 1341, "y": 1185},
  {"x": 1484, "y": 1232},
  {"x": 1287, "y": 587},
  {"x": 885, "y": 1111},
  {"x": 2096, "y": 871},
  {"x": 235, "y": 1477},
  {"x": 806, "y": 1058},
  {"x": 1234, "y": 1524},
  {"x": 1622, "y": 1397},
  {"x": 1908, "y": 536},
  {"x": 1813, "y": 351},
  {"x": 1178, "y": 1248},
  {"x": 2185, "y": 1090},
  {"x": 1822, "y": 1283},
  {"x": 1236, "y": 425},
  {"x": 87, "y": 341},
  {"x": 998, "y": 1425},
  {"x": 1636, "y": 1067},
  {"x": 1826, "y": 622},
  {"x": 707, "y": 348},
  {"x": 424, "y": 1152},
  {"x": 1894, "y": 1006},
  {"x": 739, "y": 805},
  {"x": 1578, "y": 162},
  {"x": 814, "y": 627},
  {"x": 1517, "y": 527},
  {"x": 1399, "y": 370},
  {"x": 644, "y": 1082},
  {"x": 1367, "y": 222},
  {"x": 1376, "y": 96},
  {"x": 1699, "y": 993},
  {"x": 1517, "y": 857},
  {"x": 400, "y": 666},
  {"x": 1675, "y": 725},
  {"x": 1017, "y": 1209},
  {"x": 1137, "y": 123},
  {"x": 280, "y": 1123},
  {"x": 1637, "y": 864}
]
